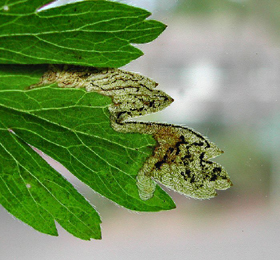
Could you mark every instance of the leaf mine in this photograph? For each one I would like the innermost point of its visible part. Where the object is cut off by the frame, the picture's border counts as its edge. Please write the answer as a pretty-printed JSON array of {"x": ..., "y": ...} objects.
[{"x": 181, "y": 159}]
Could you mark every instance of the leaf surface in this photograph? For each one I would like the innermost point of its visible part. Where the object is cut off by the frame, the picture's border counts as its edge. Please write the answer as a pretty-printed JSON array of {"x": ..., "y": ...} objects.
[
  {"x": 35, "y": 193},
  {"x": 81, "y": 117},
  {"x": 91, "y": 33}
]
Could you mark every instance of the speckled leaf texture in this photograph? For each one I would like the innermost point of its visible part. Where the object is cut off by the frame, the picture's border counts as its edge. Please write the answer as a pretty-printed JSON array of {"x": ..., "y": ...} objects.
[
  {"x": 73, "y": 127},
  {"x": 94, "y": 33}
]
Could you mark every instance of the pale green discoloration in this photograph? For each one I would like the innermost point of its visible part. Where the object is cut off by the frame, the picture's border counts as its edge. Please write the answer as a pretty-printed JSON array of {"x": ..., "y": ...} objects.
[{"x": 181, "y": 159}]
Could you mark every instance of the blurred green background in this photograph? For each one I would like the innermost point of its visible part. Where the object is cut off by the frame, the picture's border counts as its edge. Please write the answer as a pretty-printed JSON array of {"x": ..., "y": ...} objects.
[{"x": 220, "y": 61}]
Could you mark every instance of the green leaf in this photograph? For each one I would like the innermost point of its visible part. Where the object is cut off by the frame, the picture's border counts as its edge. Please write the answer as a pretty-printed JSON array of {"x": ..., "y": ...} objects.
[
  {"x": 35, "y": 193},
  {"x": 92, "y": 33},
  {"x": 20, "y": 76}
]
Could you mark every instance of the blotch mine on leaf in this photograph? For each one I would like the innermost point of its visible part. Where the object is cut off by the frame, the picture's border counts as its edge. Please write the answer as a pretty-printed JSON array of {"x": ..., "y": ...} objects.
[{"x": 181, "y": 159}]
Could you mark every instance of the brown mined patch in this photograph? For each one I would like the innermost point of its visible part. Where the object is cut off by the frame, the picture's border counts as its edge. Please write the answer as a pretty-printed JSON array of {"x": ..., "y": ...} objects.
[{"x": 181, "y": 158}]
